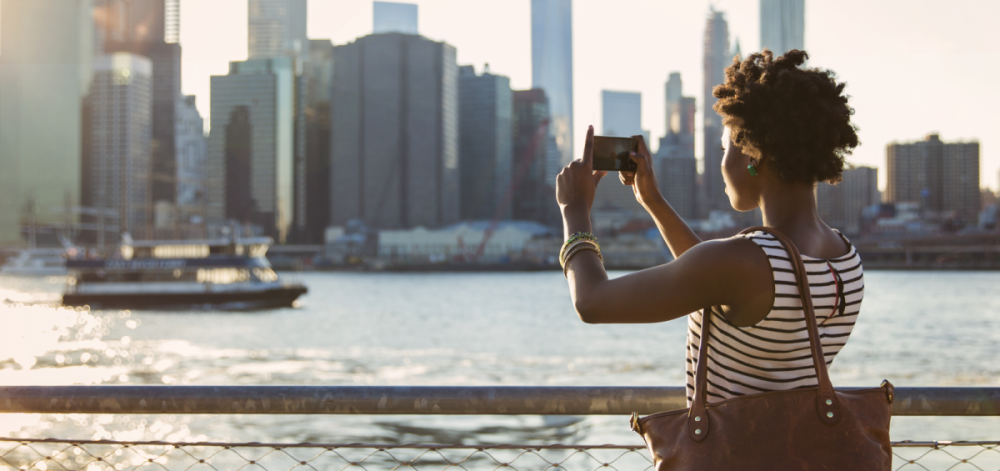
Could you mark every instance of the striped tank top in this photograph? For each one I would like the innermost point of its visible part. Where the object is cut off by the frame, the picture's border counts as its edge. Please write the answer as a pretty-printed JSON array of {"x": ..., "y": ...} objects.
[{"x": 774, "y": 354}]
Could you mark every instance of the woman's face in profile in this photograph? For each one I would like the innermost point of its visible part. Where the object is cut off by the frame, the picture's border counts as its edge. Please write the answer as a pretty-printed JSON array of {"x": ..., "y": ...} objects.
[{"x": 742, "y": 188}]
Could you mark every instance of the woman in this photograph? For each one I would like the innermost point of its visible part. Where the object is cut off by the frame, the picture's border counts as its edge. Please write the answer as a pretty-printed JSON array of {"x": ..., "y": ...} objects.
[{"x": 786, "y": 129}]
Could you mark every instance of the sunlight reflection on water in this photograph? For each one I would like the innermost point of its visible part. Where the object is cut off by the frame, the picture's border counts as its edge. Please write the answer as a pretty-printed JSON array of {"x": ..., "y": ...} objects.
[{"x": 917, "y": 329}]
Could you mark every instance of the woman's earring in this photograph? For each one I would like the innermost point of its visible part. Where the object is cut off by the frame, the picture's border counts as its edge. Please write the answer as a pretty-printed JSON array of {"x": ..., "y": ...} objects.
[{"x": 752, "y": 170}]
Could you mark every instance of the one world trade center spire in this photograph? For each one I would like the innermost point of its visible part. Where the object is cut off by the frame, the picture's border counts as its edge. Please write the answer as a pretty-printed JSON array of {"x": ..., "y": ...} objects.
[{"x": 552, "y": 71}]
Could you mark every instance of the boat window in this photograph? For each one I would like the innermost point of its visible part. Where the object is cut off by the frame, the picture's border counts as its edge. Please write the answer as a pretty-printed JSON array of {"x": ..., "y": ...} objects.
[
  {"x": 130, "y": 277},
  {"x": 223, "y": 275},
  {"x": 180, "y": 251},
  {"x": 258, "y": 250},
  {"x": 265, "y": 274}
]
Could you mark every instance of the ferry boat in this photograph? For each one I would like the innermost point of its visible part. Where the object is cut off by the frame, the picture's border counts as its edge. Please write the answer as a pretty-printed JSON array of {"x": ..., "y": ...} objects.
[
  {"x": 36, "y": 262},
  {"x": 228, "y": 272}
]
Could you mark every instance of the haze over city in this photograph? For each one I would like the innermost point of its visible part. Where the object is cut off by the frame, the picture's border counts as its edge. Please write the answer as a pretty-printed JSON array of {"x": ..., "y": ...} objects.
[
  {"x": 911, "y": 67},
  {"x": 351, "y": 234}
]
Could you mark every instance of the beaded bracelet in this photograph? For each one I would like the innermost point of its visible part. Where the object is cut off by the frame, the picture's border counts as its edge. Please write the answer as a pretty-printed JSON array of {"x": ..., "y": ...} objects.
[
  {"x": 575, "y": 237},
  {"x": 568, "y": 249},
  {"x": 580, "y": 235},
  {"x": 572, "y": 247},
  {"x": 578, "y": 249}
]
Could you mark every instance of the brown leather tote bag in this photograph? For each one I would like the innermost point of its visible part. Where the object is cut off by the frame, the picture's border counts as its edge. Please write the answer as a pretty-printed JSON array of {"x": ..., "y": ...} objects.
[{"x": 815, "y": 428}]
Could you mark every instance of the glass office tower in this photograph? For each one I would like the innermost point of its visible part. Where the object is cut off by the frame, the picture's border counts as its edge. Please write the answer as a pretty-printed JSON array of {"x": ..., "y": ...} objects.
[
  {"x": 621, "y": 113},
  {"x": 485, "y": 144},
  {"x": 119, "y": 171},
  {"x": 45, "y": 70},
  {"x": 257, "y": 94},
  {"x": 782, "y": 25},
  {"x": 394, "y": 133},
  {"x": 277, "y": 28},
  {"x": 716, "y": 57},
  {"x": 552, "y": 70},
  {"x": 391, "y": 17}
]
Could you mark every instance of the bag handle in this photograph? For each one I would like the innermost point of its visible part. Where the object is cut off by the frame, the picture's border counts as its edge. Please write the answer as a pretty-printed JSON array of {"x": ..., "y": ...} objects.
[{"x": 827, "y": 405}]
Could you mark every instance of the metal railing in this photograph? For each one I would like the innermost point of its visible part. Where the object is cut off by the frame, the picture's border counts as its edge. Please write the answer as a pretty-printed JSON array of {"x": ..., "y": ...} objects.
[
  {"x": 48, "y": 454},
  {"x": 436, "y": 400}
]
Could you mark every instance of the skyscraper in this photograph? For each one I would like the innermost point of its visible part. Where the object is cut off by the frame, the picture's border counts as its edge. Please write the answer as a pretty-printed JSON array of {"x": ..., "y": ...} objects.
[
  {"x": 943, "y": 177},
  {"x": 277, "y": 28},
  {"x": 312, "y": 186},
  {"x": 716, "y": 59},
  {"x": 394, "y": 116},
  {"x": 841, "y": 205},
  {"x": 191, "y": 153},
  {"x": 552, "y": 70},
  {"x": 45, "y": 70},
  {"x": 674, "y": 90},
  {"x": 621, "y": 113},
  {"x": 675, "y": 162},
  {"x": 677, "y": 174},
  {"x": 682, "y": 117},
  {"x": 120, "y": 168},
  {"x": 150, "y": 28},
  {"x": 257, "y": 95},
  {"x": 533, "y": 198},
  {"x": 135, "y": 21},
  {"x": 782, "y": 25},
  {"x": 621, "y": 117},
  {"x": 485, "y": 152},
  {"x": 860, "y": 191},
  {"x": 391, "y": 17},
  {"x": 238, "y": 159}
]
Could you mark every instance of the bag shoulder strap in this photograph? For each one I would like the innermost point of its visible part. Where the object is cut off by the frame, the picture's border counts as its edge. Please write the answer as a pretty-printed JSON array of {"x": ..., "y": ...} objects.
[{"x": 827, "y": 405}]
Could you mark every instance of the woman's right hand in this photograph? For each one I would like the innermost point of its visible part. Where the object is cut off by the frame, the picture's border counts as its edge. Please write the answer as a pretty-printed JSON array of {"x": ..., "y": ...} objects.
[
  {"x": 643, "y": 180},
  {"x": 577, "y": 183}
]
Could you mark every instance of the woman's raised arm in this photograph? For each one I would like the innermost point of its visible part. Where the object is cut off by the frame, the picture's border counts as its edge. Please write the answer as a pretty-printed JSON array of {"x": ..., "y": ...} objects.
[
  {"x": 728, "y": 272},
  {"x": 731, "y": 272}
]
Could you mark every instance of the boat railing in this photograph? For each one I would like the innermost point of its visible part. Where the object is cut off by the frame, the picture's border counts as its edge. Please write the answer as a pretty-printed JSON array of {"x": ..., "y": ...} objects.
[{"x": 469, "y": 453}]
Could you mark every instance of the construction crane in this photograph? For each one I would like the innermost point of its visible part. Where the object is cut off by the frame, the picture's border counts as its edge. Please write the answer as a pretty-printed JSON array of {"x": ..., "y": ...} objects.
[{"x": 522, "y": 168}]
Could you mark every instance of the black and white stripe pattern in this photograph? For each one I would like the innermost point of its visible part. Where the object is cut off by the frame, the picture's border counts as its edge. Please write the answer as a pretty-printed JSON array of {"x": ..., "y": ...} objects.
[{"x": 774, "y": 354}]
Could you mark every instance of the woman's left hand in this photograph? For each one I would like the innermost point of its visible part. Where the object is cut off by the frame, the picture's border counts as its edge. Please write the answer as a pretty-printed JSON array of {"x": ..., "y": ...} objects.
[
  {"x": 643, "y": 180},
  {"x": 577, "y": 182}
]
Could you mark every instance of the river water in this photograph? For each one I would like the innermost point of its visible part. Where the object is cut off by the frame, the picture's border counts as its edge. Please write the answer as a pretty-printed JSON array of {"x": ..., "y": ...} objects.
[{"x": 916, "y": 328}]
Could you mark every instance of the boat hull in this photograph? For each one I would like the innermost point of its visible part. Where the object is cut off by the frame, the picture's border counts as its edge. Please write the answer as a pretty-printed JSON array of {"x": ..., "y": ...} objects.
[{"x": 282, "y": 296}]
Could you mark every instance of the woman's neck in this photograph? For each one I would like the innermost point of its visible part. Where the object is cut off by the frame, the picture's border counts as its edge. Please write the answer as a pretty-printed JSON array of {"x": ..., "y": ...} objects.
[{"x": 790, "y": 208}]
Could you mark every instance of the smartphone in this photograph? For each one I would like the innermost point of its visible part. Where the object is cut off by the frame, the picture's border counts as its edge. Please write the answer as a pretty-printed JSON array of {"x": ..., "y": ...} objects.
[{"x": 612, "y": 153}]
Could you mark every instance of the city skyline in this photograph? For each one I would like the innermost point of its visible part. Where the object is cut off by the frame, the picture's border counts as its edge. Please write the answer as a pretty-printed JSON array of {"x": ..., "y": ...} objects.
[
  {"x": 908, "y": 36},
  {"x": 550, "y": 31}
]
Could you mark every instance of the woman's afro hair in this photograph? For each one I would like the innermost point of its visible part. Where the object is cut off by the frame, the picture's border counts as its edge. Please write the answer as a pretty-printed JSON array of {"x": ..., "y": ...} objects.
[{"x": 796, "y": 119}]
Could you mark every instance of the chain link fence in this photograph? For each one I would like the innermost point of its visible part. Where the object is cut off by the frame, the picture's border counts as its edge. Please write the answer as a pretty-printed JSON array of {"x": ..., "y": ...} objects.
[
  {"x": 910, "y": 455},
  {"x": 57, "y": 454}
]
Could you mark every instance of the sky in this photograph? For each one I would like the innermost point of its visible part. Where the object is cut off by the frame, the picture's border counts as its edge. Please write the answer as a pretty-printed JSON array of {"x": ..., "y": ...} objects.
[{"x": 912, "y": 67}]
